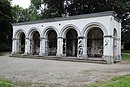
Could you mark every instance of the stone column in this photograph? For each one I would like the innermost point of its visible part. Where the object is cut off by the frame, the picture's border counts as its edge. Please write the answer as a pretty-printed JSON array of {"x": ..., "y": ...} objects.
[
  {"x": 14, "y": 46},
  {"x": 27, "y": 46},
  {"x": 108, "y": 49},
  {"x": 59, "y": 47},
  {"x": 85, "y": 48},
  {"x": 80, "y": 51},
  {"x": 45, "y": 47},
  {"x": 115, "y": 49},
  {"x": 119, "y": 49},
  {"x": 42, "y": 45}
]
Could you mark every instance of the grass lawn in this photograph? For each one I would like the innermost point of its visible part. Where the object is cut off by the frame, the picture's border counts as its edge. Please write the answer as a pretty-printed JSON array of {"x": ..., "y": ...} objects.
[
  {"x": 125, "y": 54},
  {"x": 121, "y": 81}
]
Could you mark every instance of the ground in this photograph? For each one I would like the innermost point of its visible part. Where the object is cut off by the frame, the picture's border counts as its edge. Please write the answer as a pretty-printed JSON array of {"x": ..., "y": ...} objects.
[{"x": 59, "y": 73}]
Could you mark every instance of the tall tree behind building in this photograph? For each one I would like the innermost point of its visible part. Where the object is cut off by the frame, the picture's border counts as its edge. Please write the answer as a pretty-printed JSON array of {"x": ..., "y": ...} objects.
[{"x": 5, "y": 25}]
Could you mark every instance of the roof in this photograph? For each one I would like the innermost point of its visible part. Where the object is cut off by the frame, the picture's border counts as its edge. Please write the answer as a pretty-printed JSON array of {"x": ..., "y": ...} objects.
[{"x": 90, "y": 15}]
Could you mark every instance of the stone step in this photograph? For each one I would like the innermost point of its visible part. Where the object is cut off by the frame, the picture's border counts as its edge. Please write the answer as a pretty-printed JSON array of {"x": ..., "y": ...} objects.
[{"x": 73, "y": 59}]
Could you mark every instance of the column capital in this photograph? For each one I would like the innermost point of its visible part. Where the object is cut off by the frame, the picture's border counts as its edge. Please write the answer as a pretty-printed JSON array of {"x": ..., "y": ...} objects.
[
  {"x": 59, "y": 37},
  {"x": 14, "y": 39},
  {"x": 41, "y": 38},
  {"x": 108, "y": 36},
  {"x": 80, "y": 37},
  {"x": 27, "y": 38}
]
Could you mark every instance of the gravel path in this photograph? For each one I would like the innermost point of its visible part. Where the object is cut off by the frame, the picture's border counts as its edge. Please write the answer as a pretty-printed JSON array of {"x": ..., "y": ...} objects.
[{"x": 59, "y": 73}]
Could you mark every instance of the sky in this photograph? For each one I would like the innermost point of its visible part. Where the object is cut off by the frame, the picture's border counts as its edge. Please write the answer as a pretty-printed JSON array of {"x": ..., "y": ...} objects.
[{"x": 21, "y": 3}]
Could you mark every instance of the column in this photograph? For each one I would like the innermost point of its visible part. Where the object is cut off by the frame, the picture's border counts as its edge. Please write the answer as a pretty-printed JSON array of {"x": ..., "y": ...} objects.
[
  {"x": 85, "y": 48},
  {"x": 27, "y": 46},
  {"x": 108, "y": 49},
  {"x": 119, "y": 49},
  {"x": 59, "y": 47},
  {"x": 42, "y": 46},
  {"x": 45, "y": 47},
  {"x": 115, "y": 49},
  {"x": 80, "y": 47},
  {"x": 14, "y": 44}
]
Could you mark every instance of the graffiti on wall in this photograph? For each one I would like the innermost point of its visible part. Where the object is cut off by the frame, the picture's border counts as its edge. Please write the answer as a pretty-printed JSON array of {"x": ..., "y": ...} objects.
[{"x": 80, "y": 47}]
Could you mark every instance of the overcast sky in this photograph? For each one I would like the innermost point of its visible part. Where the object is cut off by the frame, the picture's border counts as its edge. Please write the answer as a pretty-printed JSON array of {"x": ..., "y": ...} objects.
[{"x": 21, "y": 3}]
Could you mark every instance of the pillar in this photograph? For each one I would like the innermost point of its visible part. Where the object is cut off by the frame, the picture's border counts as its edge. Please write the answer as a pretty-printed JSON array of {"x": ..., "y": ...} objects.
[
  {"x": 14, "y": 46},
  {"x": 42, "y": 46},
  {"x": 108, "y": 49},
  {"x": 27, "y": 46},
  {"x": 119, "y": 49},
  {"x": 81, "y": 49},
  {"x": 59, "y": 47}
]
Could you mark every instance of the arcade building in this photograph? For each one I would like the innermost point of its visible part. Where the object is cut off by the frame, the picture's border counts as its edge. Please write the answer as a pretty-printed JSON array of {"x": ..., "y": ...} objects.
[{"x": 94, "y": 35}]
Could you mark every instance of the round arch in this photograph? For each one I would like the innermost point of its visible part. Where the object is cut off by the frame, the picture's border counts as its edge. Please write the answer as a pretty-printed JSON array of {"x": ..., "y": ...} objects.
[
  {"x": 67, "y": 27},
  {"x": 48, "y": 28},
  {"x": 115, "y": 33},
  {"x": 32, "y": 30},
  {"x": 91, "y": 25},
  {"x": 17, "y": 33},
  {"x": 20, "y": 37}
]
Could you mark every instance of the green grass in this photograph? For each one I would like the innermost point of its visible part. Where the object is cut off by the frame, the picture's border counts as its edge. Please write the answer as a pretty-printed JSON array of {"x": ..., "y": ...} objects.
[
  {"x": 125, "y": 54},
  {"x": 121, "y": 81},
  {"x": 6, "y": 83}
]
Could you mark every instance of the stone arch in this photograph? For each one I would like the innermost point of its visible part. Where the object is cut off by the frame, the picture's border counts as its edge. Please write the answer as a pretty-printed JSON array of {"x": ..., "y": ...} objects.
[
  {"x": 94, "y": 39},
  {"x": 17, "y": 33},
  {"x": 70, "y": 35},
  {"x": 67, "y": 27},
  {"x": 50, "y": 33},
  {"x": 30, "y": 32},
  {"x": 20, "y": 35},
  {"x": 45, "y": 31},
  {"x": 34, "y": 35},
  {"x": 115, "y": 50},
  {"x": 91, "y": 25},
  {"x": 115, "y": 33}
]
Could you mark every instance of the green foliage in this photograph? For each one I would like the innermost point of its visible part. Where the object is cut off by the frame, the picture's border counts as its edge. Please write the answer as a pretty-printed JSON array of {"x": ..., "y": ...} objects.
[
  {"x": 5, "y": 10},
  {"x": 6, "y": 83},
  {"x": 121, "y": 81},
  {"x": 24, "y": 15}
]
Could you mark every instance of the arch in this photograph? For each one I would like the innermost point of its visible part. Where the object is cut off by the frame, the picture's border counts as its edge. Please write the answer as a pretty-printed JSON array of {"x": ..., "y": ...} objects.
[
  {"x": 17, "y": 33},
  {"x": 45, "y": 31},
  {"x": 95, "y": 42},
  {"x": 115, "y": 33},
  {"x": 67, "y": 27},
  {"x": 91, "y": 25},
  {"x": 71, "y": 43},
  {"x": 31, "y": 31},
  {"x": 115, "y": 50},
  {"x": 20, "y": 40}
]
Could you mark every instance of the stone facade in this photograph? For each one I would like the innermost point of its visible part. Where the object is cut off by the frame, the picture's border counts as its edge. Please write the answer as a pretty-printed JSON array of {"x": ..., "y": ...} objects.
[{"x": 92, "y": 35}]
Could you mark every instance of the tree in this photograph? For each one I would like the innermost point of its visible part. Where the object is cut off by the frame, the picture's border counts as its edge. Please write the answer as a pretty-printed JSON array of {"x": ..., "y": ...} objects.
[
  {"x": 5, "y": 24},
  {"x": 24, "y": 15}
]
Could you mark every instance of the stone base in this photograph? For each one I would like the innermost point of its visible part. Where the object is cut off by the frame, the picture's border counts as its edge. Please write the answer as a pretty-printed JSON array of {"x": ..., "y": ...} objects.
[
  {"x": 117, "y": 57},
  {"x": 108, "y": 59},
  {"x": 26, "y": 53},
  {"x": 59, "y": 55}
]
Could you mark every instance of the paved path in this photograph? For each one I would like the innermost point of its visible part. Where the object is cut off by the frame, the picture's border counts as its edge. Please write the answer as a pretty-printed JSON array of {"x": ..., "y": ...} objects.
[{"x": 58, "y": 73}]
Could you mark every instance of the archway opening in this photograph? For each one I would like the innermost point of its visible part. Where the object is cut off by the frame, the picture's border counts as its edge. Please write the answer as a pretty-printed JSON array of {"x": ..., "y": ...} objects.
[
  {"x": 35, "y": 43},
  {"x": 95, "y": 42},
  {"x": 21, "y": 43},
  {"x": 71, "y": 43},
  {"x": 52, "y": 43},
  {"x": 114, "y": 43}
]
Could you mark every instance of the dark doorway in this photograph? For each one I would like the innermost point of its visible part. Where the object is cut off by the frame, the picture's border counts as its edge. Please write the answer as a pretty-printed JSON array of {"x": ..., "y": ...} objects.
[
  {"x": 52, "y": 43},
  {"x": 71, "y": 43}
]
